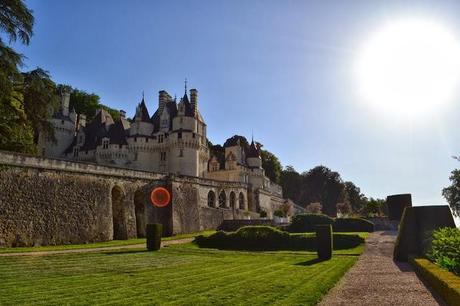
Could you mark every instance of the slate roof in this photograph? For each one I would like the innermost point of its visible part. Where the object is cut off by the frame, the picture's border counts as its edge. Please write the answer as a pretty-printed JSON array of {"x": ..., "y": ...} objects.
[
  {"x": 144, "y": 112},
  {"x": 172, "y": 109},
  {"x": 252, "y": 151}
]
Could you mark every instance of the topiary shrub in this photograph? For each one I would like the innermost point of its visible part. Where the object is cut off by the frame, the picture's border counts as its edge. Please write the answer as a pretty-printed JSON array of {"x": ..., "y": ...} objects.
[
  {"x": 265, "y": 238},
  {"x": 352, "y": 225},
  {"x": 396, "y": 204},
  {"x": 153, "y": 234},
  {"x": 324, "y": 241},
  {"x": 445, "y": 249},
  {"x": 307, "y": 222}
]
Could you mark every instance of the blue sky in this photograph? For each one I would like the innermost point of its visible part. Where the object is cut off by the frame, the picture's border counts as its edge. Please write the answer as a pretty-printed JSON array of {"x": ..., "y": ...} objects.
[{"x": 279, "y": 68}]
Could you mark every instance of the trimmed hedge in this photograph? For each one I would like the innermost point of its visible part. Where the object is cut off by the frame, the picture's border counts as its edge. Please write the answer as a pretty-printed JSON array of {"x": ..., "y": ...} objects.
[
  {"x": 352, "y": 225},
  {"x": 446, "y": 284},
  {"x": 415, "y": 224},
  {"x": 324, "y": 241},
  {"x": 153, "y": 235},
  {"x": 308, "y": 222},
  {"x": 396, "y": 204},
  {"x": 266, "y": 238}
]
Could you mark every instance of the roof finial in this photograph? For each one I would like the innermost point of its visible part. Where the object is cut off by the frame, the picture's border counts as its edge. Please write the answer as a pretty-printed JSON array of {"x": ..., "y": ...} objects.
[
  {"x": 185, "y": 83},
  {"x": 252, "y": 135},
  {"x": 142, "y": 95}
]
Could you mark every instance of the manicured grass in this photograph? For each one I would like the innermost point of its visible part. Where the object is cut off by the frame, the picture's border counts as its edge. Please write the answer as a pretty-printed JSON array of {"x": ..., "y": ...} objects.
[
  {"x": 177, "y": 275},
  {"x": 112, "y": 243}
]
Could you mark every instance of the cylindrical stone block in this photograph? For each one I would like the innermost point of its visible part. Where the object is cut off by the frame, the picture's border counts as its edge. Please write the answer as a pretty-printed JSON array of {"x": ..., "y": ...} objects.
[
  {"x": 324, "y": 241},
  {"x": 153, "y": 234}
]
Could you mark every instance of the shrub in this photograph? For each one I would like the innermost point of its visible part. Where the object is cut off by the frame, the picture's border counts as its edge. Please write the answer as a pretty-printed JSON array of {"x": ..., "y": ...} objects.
[
  {"x": 307, "y": 222},
  {"x": 352, "y": 225},
  {"x": 324, "y": 241},
  {"x": 153, "y": 235},
  {"x": 265, "y": 238},
  {"x": 445, "y": 249}
]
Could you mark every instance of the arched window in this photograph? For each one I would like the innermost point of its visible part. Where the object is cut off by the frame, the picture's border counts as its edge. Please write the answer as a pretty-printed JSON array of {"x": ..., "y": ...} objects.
[
  {"x": 232, "y": 199},
  {"x": 241, "y": 201},
  {"x": 211, "y": 199},
  {"x": 222, "y": 199}
]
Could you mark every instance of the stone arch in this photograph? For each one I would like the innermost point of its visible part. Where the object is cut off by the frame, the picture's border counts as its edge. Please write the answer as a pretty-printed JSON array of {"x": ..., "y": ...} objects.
[
  {"x": 222, "y": 199},
  {"x": 232, "y": 200},
  {"x": 118, "y": 214},
  {"x": 211, "y": 199},
  {"x": 139, "y": 209},
  {"x": 241, "y": 202}
]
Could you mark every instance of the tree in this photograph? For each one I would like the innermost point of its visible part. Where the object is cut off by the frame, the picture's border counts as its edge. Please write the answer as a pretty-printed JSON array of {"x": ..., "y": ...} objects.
[
  {"x": 39, "y": 98},
  {"x": 354, "y": 196},
  {"x": 373, "y": 207},
  {"x": 291, "y": 183},
  {"x": 452, "y": 192},
  {"x": 86, "y": 103},
  {"x": 16, "y": 21},
  {"x": 314, "y": 208},
  {"x": 271, "y": 165}
]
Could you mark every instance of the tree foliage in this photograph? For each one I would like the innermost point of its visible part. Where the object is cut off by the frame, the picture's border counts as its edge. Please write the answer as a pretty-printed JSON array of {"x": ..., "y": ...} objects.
[
  {"x": 86, "y": 103},
  {"x": 452, "y": 192},
  {"x": 271, "y": 165}
]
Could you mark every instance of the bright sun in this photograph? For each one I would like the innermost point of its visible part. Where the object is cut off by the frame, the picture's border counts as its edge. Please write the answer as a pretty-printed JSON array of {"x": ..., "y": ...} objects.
[{"x": 409, "y": 67}]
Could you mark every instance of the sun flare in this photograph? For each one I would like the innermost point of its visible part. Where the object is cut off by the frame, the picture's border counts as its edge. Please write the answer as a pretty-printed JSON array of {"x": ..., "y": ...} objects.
[{"x": 409, "y": 67}]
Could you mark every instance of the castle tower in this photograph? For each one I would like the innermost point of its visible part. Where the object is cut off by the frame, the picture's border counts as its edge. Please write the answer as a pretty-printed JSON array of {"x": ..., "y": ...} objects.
[{"x": 64, "y": 124}]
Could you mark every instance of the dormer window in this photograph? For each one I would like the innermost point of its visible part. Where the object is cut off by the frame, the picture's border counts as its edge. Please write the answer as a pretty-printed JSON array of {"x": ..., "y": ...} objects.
[
  {"x": 105, "y": 143},
  {"x": 179, "y": 135},
  {"x": 160, "y": 138}
]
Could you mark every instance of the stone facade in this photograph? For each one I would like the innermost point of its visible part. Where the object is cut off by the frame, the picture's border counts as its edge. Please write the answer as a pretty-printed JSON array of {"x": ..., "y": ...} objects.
[{"x": 49, "y": 201}]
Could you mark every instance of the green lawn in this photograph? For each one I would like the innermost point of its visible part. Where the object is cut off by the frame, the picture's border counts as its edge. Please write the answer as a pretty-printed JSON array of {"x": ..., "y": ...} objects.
[
  {"x": 176, "y": 275},
  {"x": 112, "y": 243}
]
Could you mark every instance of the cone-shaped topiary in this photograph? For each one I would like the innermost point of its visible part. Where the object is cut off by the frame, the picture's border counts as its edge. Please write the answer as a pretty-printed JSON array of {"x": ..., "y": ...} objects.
[
  {"x": 324, "y": 241},
  {"x": 153, "y": 234}
]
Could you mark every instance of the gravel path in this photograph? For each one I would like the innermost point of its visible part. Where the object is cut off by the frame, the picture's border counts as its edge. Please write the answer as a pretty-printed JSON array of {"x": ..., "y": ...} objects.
[
  {"x": 377, "y": 280},
  {"x": 131, "y": 246}
]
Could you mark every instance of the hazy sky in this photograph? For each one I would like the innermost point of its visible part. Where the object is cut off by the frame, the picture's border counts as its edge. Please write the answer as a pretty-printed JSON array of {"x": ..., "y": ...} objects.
[{"x": 279, "y": 68}]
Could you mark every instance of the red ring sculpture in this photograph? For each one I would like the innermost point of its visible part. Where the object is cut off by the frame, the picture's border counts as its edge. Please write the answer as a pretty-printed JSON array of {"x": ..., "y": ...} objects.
[{"x": 160, "y": 197}]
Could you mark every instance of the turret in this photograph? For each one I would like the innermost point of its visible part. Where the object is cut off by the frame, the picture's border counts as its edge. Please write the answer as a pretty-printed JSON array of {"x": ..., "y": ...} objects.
[{"x": 253, "y": 156}]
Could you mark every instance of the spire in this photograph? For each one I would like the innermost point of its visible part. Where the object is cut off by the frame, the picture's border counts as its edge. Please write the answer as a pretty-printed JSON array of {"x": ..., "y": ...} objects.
[
  {"x": 142, "y": 95},
  {"x": 185, "y": 85}
]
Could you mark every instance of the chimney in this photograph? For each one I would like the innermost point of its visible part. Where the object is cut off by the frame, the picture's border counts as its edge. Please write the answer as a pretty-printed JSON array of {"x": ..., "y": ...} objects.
[
  {"x": 162, "y": 100},
  {"x": 65, "y": 99},
  {"x": 122, "y": 114},
  {"x": 82, "y": 120},
  {"x": 194, "y": 100}
]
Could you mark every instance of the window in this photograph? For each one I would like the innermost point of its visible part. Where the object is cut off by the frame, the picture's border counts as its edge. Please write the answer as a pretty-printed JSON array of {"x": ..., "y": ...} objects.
[
  {"x": 181, "y": 153},
  {"x": 162, "y": 156},
  {"x": 179, "y": 135},
  {"x": 146, "y": 139},
  {"x": 160, "y": 138},
  {"x": 105, "y": 143},
  {"x": 211, "y": 199},
  {"x": 135, "y": 139},
  {"x": 181, "y": 120},
  {"x": 193, "y": 135}
]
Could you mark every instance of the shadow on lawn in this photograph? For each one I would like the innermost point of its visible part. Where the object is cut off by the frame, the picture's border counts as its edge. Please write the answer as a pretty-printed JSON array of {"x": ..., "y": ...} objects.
[
  {"x": 121, "y": 252},
  {"x": 310, "y": 262}
]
